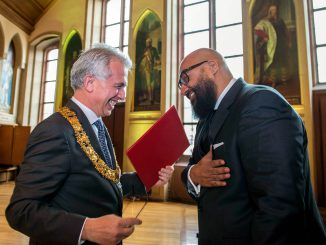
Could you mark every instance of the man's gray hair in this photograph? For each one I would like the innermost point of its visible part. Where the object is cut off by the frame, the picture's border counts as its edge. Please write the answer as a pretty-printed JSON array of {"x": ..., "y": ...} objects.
[{"x": 94, "y": 62}]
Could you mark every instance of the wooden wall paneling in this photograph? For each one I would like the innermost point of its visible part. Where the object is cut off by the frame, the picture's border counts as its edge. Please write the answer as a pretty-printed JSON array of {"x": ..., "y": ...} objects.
[
  {"x": 115, "y": 126},
  {"x": 319, "y": 110},
  {"x": 20, "y": 138},
  {"x": 6, "y": 142},
  {"x": 177, "y": 190},
  {"x": 109, "y": 123},
  {"x": 317, "y": 138},
  {"x": 322, "y": 147},
  {"x": 119, "y": 122},
  {"x": 13, "y": 140}
]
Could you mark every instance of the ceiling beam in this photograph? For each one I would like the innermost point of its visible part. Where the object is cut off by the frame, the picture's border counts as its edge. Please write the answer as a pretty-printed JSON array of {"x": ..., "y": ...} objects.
[{"x": 16, "y": 18}]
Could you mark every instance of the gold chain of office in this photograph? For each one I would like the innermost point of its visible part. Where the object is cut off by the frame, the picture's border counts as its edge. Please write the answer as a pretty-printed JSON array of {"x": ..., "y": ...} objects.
[{"x": 85, "y": 144}]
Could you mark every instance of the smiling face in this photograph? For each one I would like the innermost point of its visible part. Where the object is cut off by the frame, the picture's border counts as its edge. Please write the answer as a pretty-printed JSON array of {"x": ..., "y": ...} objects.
[
  {"x": 197, "y": 84},
  {"x": 107, "y": 92},
  {"x": 203, "y": 77},
  {"x": 204, "y": 97}
]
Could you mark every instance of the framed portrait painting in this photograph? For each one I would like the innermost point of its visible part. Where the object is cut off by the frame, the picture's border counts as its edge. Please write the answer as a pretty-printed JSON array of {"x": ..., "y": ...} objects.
[
  {"x": 147, "y": 93},
  {"x": 275, "y": 47},
  {"x": 74, "y": 47}
]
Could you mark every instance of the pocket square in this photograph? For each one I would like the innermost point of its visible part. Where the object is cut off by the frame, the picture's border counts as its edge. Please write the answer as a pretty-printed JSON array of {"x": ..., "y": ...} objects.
[{"x": 217, "y": 145}]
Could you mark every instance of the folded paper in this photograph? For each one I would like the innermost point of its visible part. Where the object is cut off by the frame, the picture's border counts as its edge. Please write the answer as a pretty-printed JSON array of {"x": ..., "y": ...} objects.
[{"x": 161, "y": 145}]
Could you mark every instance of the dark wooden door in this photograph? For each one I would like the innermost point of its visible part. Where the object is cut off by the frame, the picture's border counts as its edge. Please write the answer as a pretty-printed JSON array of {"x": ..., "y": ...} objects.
[
  {"x": 319, "y": 110},
  {"x": 115, "y": 124}
]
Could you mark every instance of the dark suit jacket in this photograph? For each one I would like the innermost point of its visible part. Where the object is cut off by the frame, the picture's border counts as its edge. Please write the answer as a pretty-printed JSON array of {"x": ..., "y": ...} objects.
[
  {"x": 268, "y": 199},
  {"x": 58, "y": 186}
]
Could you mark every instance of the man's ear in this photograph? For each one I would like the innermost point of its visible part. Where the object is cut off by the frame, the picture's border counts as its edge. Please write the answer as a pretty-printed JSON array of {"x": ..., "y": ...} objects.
[
  {"x": 213, "y": 66},
  {"x": 89, "y": 83}
]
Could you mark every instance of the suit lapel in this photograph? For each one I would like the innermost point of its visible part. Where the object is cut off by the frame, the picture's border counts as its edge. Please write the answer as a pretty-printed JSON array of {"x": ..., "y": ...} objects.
[
  {"x": 87, "y": 127},
  {"x": 91, "y": 135},
  {"x": 222, "y": 113},
  {"x": 223, "y": 110}
]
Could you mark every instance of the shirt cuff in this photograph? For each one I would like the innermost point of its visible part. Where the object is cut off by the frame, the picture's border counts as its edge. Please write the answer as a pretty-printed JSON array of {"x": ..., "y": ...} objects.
[
  {"x": 191, "y": 186},
  {"x": 80, "y": 241}
]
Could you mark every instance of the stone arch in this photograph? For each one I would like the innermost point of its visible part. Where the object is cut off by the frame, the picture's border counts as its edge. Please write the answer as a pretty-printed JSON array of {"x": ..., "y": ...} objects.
[
  {"x": 71, "y": 49},
  {"x": 2, "y": 42},
  {"x": 33, "y": 81},
  {"x": 18, "y": 50}
]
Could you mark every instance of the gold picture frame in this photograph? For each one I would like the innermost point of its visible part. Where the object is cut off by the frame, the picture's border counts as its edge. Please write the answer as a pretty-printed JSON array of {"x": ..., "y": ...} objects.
[
  {"x": 275, "y": 48},
  {"x": 148, "y": 72}
]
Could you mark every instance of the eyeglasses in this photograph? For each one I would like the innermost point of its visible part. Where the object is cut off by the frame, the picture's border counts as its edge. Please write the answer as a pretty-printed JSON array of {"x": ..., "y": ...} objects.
[{"x": 184, "y": 78}]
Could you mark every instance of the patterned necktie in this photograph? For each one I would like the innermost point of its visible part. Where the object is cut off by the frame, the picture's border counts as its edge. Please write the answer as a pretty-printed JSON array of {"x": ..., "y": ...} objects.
[{"x": 102, "y": 141}]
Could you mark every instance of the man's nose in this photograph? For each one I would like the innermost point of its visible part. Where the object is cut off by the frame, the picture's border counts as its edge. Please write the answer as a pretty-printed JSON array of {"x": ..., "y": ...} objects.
[
  {"x": 122, "y": 94},
  {"x": 183, "y": 89}
]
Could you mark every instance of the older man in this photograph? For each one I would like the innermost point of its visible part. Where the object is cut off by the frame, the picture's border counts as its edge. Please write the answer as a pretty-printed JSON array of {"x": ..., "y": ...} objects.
[{"x": 69, "y": 189}]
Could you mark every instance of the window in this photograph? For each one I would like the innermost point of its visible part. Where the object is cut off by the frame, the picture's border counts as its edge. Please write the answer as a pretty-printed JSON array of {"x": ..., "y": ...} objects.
[
  {"x": 319, "y": 18},
  {"x": 49, "y": 82},
  {"x": 6, "y": 82},
  {"x": 216, "y": 28},
  {"x": 116, "y": 27}
]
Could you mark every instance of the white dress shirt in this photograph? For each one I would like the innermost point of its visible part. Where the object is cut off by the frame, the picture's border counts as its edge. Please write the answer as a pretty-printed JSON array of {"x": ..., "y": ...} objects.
[{"x": 192, "y": 188}]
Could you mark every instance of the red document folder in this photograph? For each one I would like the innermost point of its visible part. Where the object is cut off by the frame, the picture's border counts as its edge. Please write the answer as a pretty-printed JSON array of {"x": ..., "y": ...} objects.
[{"x": 160, "y": 146}]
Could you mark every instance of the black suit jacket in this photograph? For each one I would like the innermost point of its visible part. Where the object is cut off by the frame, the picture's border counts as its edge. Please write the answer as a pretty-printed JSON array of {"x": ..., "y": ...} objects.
[
  {"x": 58, "y": 186},
  {"x": 268, "y": 199}
]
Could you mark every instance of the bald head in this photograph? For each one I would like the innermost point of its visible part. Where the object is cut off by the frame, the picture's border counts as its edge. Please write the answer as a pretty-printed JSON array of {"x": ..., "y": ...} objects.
[
  {"x": 201, "y": 55},
  {"x": 217, "y": 66}
]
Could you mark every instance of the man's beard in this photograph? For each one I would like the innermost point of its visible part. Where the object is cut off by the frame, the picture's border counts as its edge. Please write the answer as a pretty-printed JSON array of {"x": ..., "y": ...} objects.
[{"x": 205, "y": 98}]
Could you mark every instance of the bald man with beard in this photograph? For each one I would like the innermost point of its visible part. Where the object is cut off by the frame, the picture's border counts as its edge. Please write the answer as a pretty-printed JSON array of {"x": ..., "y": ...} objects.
[{"x": 249, "y": 170}]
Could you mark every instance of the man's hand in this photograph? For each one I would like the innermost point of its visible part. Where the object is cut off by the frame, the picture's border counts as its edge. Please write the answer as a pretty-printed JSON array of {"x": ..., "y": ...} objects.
[
  {"x": 108, "y": 229},
  {"x": 164, "y": 175},
  {"x": 208, "y": 172}
]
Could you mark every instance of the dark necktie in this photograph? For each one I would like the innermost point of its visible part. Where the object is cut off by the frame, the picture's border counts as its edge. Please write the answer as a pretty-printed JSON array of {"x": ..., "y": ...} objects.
[
  {"x": 203, "y": 139},
  {"x": 104, "y": 146}
]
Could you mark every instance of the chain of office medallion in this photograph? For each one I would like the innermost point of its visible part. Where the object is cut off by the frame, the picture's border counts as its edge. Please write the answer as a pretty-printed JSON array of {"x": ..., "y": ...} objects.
[{"x": 86, "y": 146}]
